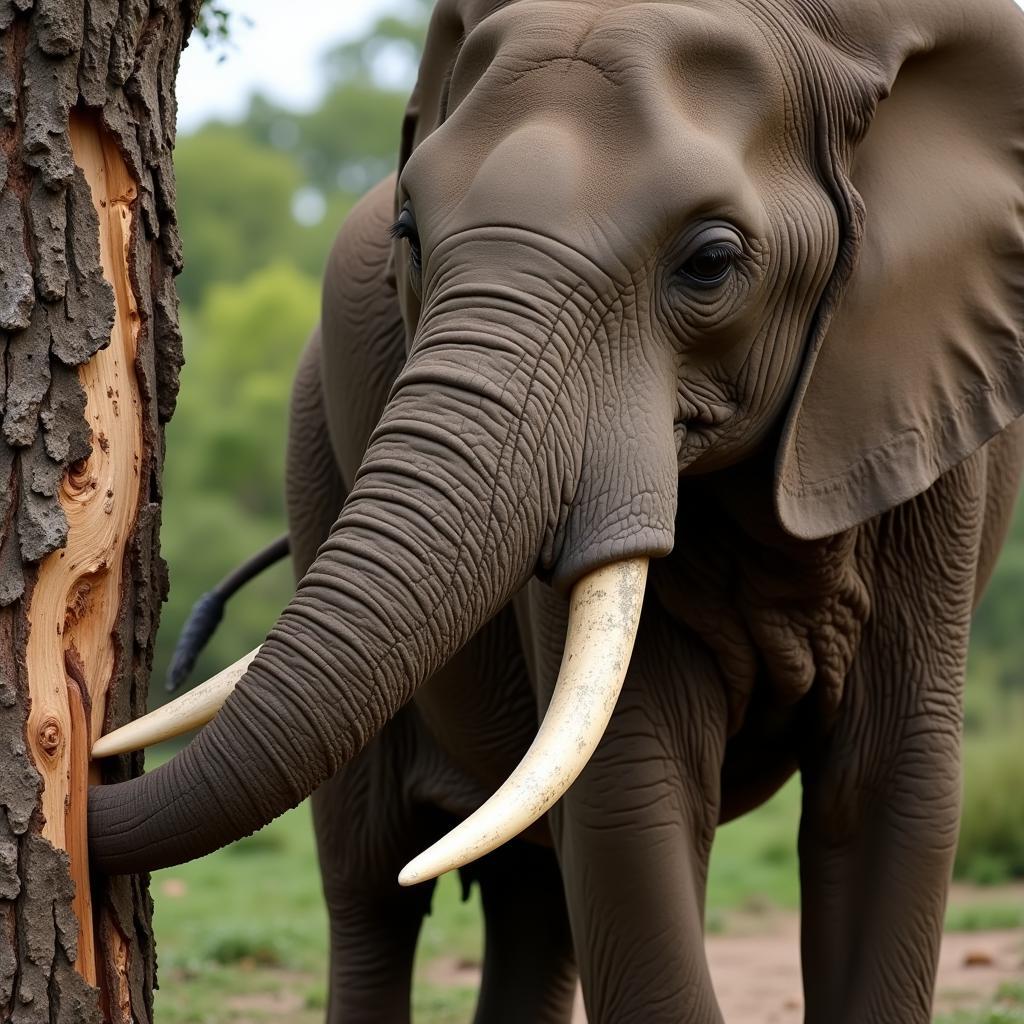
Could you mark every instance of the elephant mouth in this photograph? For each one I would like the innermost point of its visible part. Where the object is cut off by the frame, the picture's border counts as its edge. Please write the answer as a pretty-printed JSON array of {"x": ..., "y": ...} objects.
[{"x": 604, "y": 614}]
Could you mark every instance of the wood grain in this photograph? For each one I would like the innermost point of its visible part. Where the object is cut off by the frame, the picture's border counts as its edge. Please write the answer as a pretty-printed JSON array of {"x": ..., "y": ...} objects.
[{"x": 78, "y": 592}]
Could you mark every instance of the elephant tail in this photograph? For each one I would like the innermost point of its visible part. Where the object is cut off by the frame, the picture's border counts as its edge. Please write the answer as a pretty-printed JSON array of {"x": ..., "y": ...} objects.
[{"x": 207, "y": 612}]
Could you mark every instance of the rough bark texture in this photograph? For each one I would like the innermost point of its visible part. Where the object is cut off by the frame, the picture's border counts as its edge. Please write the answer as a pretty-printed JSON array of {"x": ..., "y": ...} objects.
[{"x": 112, "y": 62}]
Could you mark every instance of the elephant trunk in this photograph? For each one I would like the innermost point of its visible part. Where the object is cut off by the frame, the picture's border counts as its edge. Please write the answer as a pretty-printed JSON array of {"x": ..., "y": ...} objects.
[
  {"x": 415, "y": 564},
  {"x": 604, "y": 615},
  {"x": 460, "y": 496}
]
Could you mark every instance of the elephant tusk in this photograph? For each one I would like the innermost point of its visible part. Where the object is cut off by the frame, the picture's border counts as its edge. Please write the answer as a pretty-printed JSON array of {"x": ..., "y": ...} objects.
[
  {"x": 604, "y": 612},
  {"x": 189, "y": 711}
]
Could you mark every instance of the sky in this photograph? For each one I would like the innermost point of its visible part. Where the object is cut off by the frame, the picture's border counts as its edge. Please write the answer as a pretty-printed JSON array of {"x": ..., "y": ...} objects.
[{"x": 277, "y": 53}]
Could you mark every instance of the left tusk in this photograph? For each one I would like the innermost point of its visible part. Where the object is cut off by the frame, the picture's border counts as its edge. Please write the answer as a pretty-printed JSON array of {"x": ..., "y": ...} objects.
[
  {"x": 191, "y": 710},
  {"x": 604, "y": 613}
]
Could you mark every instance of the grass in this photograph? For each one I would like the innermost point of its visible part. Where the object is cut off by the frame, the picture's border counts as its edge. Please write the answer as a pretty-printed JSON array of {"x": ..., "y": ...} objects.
[
  {"x": 982, "y": 916},
  {"x": 753, "y": 863},
  {"x": 242, "y": 934},
  {"x": 237, "y": 929},
  {"x": 1006, "y": 1008}
]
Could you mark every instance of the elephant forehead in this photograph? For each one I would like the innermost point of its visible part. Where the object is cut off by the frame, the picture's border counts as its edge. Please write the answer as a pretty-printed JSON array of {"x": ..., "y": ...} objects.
[
  {"x": 573, "y": 105},
  {"x": 709, "y": 59}
]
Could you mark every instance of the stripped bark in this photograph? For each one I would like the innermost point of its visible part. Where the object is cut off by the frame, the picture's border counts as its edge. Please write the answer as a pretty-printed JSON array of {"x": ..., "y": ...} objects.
[{"x": 89, "y": 358}]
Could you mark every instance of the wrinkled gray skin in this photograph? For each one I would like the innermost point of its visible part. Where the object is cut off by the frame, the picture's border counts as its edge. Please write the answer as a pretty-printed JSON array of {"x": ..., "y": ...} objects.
[{"x": 820, "y": 449}]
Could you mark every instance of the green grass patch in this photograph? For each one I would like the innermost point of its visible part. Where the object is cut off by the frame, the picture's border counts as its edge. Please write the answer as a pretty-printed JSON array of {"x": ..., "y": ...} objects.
[
  {"x": 243, "y": 937},
  {"x": 983, "y": 917},
  {"x": 754, "y": 860},
  {"x": 454, "y": 928},
  {"x": 432, "y": 1004},
  {"x": 242, "y": 947},
  {"x": 1006, "y": 1008}
]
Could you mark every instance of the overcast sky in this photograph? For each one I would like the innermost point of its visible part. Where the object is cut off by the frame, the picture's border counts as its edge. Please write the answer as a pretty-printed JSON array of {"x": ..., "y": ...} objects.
[{"x": 278, "y": 53}]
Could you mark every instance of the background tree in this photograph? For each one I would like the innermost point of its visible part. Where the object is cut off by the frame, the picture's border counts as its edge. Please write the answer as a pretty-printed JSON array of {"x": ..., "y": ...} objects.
[
  {"x": 260, "y": 201},
  {"x": 91, "y": 350}
]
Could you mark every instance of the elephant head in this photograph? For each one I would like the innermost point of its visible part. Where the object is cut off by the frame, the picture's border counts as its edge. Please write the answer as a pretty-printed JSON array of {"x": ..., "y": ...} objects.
[{"x": 632, "y": 241}]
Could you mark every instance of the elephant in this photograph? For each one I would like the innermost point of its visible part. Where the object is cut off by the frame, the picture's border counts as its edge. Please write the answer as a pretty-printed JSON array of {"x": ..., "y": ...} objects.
[{"x": 658, "y": 438}]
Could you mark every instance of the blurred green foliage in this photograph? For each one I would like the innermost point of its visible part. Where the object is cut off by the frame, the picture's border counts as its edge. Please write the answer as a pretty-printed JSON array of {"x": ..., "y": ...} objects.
[
  {"x": 997, "y": 650},
  {"x": 213, "y": 22},
  {"x": 235, "y": 206},
  {"x": 259, "y": 202},
  {"x": 991, "y": 848}
]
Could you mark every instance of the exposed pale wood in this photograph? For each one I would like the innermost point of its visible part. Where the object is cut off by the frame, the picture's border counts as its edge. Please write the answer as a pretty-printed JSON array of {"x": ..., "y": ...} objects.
[{"x": 75, "y": 603}]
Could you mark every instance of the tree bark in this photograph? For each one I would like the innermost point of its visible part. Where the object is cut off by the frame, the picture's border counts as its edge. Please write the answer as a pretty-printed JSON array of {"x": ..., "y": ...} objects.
[{"x": 89, "y": 358}]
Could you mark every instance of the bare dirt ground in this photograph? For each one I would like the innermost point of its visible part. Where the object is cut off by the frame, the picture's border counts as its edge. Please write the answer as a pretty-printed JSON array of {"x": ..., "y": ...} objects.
[
  {"x": 756, "y": 970},
  {"x": 757, "y": 977}
]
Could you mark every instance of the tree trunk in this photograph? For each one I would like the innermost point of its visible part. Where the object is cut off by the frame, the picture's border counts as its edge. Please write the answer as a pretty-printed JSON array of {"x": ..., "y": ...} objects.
[{"x": 90, "y": 357}]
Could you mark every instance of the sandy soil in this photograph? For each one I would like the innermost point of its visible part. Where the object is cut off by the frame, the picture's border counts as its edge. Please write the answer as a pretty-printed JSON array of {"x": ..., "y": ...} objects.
[
  {"x": 756, "y": 970},
  {"x": 757, "y": 977}
]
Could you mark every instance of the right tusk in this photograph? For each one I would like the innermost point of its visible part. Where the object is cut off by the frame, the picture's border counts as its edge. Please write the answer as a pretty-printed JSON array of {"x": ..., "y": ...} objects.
[
  {"x": 189, "y": 711},
  {"x": 604, "y": 613}
]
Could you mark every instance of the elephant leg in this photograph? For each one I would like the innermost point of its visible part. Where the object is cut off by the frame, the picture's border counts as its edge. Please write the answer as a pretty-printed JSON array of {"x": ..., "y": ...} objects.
[
  {"x": 529, "y": 965},
  {"x": 882, "y": 790},
  {"x": 372, "y": 950},
  {"x": 634, "y": 835},
  {"x": 366, "y": 830}
]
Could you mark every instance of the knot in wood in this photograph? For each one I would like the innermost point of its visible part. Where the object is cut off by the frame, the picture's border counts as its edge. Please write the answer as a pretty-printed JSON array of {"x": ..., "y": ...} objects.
[
  {"x": 79, "y": 477},
  {"x": 51, "y": 736}
]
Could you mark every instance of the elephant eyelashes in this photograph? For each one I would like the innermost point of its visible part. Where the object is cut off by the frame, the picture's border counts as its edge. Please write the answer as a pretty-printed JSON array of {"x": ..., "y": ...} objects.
[
  {"x": 405, "y": 227},
  {"x": 710, "y": 257},
  {"x": 710, "y": 265}
]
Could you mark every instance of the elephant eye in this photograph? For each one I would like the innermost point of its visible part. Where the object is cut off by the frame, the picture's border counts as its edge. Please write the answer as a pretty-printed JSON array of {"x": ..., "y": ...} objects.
[
  {"x": 405, "y": 227},
  {"x": 710, "y": 264}
]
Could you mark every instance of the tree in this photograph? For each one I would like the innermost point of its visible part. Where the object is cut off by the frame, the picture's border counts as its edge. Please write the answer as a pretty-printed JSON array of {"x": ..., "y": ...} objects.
[{"x": 91, "y": 352}]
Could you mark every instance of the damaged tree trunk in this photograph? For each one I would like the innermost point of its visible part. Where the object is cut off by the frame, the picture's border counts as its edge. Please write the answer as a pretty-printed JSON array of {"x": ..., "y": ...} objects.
[{"x": 89, "y": 360}]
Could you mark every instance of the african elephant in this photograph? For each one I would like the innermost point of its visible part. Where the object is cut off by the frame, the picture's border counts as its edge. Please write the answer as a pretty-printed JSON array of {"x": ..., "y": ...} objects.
[{"x": 731, "y": 287}]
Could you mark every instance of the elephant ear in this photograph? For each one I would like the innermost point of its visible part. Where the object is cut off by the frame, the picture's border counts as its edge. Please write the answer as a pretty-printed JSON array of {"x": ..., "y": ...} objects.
[
  {"x": 918, "y": 356},
  {"x": 450, "y": 23}
]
